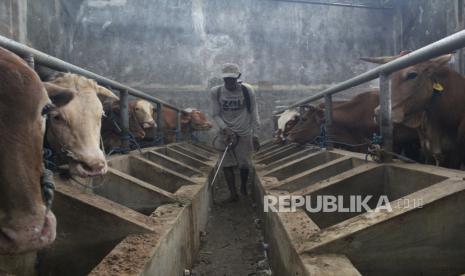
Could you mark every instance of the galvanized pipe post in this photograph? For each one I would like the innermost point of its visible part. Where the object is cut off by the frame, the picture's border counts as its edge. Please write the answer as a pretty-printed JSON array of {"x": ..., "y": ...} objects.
[
  {"x": 178, "y": 126},
  {"x": 328, "y": 118},
  {"x": 124, "y": 107},
  {"x": 385, "y": 113},
  {"x": 160, "y": 123}
]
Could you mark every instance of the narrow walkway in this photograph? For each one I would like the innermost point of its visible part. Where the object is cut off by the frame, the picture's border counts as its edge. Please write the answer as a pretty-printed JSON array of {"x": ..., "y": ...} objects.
[{"x": 233, "y": 242}]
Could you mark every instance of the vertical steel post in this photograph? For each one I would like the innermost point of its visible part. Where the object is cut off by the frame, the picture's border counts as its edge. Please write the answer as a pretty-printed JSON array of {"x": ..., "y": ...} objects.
[
  {"x": 328, "y": 118},
  {"x": 124, "y": 109},
  {"x": 178, "y": 125},
  {"x": 29, "y": 58},
  {"x": 385, "y": 116},
  {"x": 160, "y": 123}
]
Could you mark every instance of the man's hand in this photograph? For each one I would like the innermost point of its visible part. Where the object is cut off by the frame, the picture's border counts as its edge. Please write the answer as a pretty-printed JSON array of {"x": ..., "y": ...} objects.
[{"x": 228, "y": 135}]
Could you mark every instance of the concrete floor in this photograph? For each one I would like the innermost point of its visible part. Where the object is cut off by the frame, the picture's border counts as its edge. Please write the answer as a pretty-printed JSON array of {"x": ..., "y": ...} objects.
[{"x": 233, "y": 241}]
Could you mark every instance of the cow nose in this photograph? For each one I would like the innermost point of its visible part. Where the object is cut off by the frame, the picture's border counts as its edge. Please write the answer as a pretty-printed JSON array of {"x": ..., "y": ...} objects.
[
  {"x": 149, "y": 124},
  {"x": 96, "y": 165}
]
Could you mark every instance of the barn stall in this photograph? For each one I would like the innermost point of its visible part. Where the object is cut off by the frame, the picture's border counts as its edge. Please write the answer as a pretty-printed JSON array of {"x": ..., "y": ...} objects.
[{"x": 151, "y": 213}]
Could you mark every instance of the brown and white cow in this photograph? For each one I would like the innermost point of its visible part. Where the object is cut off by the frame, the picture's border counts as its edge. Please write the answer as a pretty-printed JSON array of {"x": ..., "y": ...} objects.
[
  {"x": 140, "y": 121},
  {"x": 25, "y": 222},
  {"x": 353, "y": 124},
  {"x": 73, "y": 131},
  {"x": 430, "y": 97},
  {"x": 286, "y": 121},
  {"x": 352, "y": 121}
]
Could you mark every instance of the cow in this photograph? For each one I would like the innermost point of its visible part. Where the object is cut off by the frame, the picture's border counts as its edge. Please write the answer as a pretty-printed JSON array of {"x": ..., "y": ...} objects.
[
  {"x": 192, "y": 119},
  {"x": 286, "y": 121},
  {"x": 353, "y": 125},
  {"x": 73, "y": 131},
  {"x": 352, "y": 122},
  {"x": 141, "y": 121},
  {"x": 26, "y": 223},
  {"x": 429, "y": 97}
]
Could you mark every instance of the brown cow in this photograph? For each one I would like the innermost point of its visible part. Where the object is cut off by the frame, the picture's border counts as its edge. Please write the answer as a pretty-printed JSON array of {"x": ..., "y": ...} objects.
[
  {"x": 429, "y": 97},
  {"x": 25, "y": 222},
  {"x": 353, "y": 124},
  {"x": 73, "y": 131},
  {"x": 140, "y": 122},
  {"x": 191, "y": 118}
]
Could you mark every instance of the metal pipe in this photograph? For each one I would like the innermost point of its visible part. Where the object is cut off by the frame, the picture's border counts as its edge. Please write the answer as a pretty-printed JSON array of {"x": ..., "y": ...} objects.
[
  {"x": 328, "y": 118},
  {"x": 440, "y": 47},
  {"x": 124, "y": 109},
  {"x": 160, "y": 123},
  {"x": 178, "y": 126},
  {"x": 333, "y": 4},
  {"x": 57, "y": 64},
  {"x": 385, "y": 114}
]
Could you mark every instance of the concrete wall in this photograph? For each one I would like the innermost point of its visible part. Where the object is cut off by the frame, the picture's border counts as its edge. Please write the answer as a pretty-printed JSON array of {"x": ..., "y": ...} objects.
[
  {"x": 47, "y": 25},
  {"x": 182, "y": 43},
  {"x": 421, "y": 22}
]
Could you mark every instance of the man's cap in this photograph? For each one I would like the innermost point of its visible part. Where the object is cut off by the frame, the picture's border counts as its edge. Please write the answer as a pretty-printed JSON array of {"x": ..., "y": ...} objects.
[{"x": 230, "y": 70}]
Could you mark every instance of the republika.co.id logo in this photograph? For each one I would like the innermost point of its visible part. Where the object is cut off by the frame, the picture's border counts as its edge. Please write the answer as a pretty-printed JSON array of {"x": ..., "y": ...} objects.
[{"x": 334, "y": 203}]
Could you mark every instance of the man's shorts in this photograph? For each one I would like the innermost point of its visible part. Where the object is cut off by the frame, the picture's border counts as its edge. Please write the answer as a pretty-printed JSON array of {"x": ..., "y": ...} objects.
[{"x": 241, "y": 154}]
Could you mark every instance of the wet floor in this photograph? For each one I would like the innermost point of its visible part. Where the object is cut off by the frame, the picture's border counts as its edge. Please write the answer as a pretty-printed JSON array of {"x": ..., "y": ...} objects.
[{"x": 233, "y": 241}]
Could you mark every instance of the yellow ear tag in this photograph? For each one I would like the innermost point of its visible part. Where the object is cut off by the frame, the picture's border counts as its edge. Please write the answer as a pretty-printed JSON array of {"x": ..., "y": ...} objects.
[{"x": 438, "y": 87}]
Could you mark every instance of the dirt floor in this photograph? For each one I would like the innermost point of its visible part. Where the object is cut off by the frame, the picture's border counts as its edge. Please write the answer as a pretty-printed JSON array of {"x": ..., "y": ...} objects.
[{"x": 233, "y": 243}]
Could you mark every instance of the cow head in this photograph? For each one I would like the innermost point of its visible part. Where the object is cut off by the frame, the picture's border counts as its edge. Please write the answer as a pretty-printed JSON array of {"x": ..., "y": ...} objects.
[
  {"x": 25, "y": 222},
  {"x": 143, "y": 112},
  {"x": 412, "y": 88},
  {"x": 74, "y": 129},
  {"x": 197, "y": 119},
  {"x": 308, "y": 128},
  {"x": 286, "y": 122}
]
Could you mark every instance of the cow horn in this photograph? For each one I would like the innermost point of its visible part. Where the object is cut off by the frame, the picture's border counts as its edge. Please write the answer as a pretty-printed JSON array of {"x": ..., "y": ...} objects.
[
  {"x": 379, "y": 60},
  {"x": 102, "y": 91}
]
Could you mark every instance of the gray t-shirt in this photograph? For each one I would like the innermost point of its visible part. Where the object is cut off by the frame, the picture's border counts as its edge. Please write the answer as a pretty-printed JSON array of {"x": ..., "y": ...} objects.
[{"x": 229, "y": 110}]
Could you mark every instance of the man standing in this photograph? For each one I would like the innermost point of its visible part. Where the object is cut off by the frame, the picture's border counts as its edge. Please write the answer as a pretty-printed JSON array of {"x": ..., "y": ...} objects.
[{"x": 235, "y": 112}]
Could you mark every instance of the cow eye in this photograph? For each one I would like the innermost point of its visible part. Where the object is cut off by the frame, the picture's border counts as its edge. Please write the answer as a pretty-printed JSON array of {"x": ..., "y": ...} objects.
[
  {"x": 304, "y": 119},
  {"x": 412, "y": 75},
  {"x": 57, "y": 117}
]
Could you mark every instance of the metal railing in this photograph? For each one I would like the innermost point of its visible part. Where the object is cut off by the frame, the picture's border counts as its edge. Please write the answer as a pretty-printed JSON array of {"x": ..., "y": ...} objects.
[
  {"x": 336, "y": 4},
  {"x": 438, "y": 48},
  {"x": 33, "y": 56}
]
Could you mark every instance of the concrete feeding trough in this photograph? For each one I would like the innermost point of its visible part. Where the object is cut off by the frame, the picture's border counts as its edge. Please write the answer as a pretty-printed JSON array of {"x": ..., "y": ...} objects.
[
  {"x": 144, "y": 217},
  {"x": 422, "y": 235}
]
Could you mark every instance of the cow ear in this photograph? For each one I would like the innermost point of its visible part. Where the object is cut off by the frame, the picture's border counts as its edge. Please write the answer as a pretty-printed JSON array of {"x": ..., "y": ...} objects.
[
  {"x": 115, "y": 108},
  {"x": 320, "y": 115},
  {"x": 59, "y": 96},
  {"x": 440, "y": 61},
  {"x": 105, "y": 94}
]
